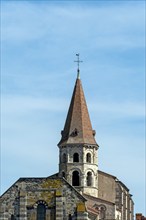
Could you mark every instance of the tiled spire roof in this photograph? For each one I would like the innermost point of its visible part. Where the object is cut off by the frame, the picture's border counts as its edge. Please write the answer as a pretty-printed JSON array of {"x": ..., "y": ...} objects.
[{"x": 78, "y": 128}]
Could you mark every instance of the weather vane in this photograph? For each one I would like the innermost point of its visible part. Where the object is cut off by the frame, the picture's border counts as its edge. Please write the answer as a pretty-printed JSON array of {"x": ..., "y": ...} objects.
[{"x": 78, "y": 63}]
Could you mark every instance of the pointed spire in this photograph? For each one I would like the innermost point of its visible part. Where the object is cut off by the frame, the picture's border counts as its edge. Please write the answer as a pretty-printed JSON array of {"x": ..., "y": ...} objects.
[{"x": 78, "y": 128}]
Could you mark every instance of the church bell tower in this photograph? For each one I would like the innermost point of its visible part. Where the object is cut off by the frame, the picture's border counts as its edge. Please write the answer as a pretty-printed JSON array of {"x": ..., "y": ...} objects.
[{"x": 78, "y": 162}]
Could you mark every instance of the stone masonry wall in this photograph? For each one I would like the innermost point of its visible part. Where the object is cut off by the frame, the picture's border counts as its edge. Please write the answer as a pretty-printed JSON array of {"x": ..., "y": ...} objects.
[
  {"x": 22, "y": 199},
  {"x": 106, "y": 184}
]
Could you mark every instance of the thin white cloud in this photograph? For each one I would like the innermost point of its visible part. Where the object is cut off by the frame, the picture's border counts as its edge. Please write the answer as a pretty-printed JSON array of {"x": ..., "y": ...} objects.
[
  {"x": 39, "y": 41},
  {"x": 120, "y": 109},
  {"x": 111, "y": 31},
  {"x": 24, "y": 104},
  {"x": 21, "y": 104}
]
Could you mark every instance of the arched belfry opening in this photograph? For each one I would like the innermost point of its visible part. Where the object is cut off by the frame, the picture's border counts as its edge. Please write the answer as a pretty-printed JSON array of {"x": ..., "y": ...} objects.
[
  {"x": 88, "y": 158},
  {"x": 63, "y": 174},
  {"x": 41, "y": 212},
  {"x": 89, "y": 179},
  {"x": 75, "y": 178},
  {"x": 12, "y": 217},
  {"x": 76, "y": 157},
  {"x": 64, "y": 158}
]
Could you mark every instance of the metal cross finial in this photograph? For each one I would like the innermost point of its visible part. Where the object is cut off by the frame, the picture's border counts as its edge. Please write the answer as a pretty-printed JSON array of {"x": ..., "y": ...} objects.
[{"x": 78, "y": 62}]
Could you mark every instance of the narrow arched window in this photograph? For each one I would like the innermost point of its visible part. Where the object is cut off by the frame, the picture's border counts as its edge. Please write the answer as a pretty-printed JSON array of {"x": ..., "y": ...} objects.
[
  {"x": 75, "y": 178},
  {"x": 102, "y": 212},
  {"x": 41, "y": 212},
  {"x": 12, "y": 217},
  {"x": 76, "y": 157},
  {"x": 69, "y": 217},
  {"x": 63, "y": 174},
  {"x": 64, "y": 158},
  {"x": 88, "y": 158},
  {"x": 89, "y": 179}
]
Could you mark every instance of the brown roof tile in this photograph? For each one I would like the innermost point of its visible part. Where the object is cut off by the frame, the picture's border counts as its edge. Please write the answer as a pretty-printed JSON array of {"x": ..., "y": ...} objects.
[{"x": 78, "y": 128}]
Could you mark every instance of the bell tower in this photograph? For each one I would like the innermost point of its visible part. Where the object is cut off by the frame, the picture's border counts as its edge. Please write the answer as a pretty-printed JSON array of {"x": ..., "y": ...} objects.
[{"x": 78, "y": 162}]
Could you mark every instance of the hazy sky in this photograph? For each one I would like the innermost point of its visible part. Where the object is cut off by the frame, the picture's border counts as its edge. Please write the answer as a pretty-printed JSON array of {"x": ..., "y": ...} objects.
[{"x": 39, "y": 41}]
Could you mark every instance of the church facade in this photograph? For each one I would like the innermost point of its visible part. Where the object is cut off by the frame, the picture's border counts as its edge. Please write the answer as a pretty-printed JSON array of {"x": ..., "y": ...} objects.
[{"x": 79, "y": 191}]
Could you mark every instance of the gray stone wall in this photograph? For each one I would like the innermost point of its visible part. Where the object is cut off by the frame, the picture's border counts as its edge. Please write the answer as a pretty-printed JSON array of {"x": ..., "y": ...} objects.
[
  {"x": 22, "y": 199},
  {"x": 68, "y": 166},
  {"x": 61, "y": 200},
  {"x": 124, "y": 201}
]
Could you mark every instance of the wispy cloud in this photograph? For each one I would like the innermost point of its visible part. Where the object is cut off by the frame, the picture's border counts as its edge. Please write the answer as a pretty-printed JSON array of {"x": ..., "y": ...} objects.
[
  {"x": 21, "y": 104},
  {"x": 78, "y": 24},
  {"x": 39, "y": 41},
  {"x": 120, "y": 109}
]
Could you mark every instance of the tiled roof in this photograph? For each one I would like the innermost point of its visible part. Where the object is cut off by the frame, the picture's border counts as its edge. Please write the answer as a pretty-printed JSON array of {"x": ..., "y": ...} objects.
[{"x": 78, "y": 128}]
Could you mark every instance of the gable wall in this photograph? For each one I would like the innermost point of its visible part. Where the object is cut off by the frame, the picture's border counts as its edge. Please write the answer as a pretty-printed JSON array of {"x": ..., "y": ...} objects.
[
  {"x": 22, "y": 198},
  {"x": 106, "y": 184}
]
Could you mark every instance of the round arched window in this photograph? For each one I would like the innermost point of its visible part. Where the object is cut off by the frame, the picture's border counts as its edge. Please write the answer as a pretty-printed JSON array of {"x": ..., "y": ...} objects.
[
  {"x": 89, "y": 179},
  {"x": 41, "y": 212},
  {"x": 75, "y": 178},
  {"x": 12, "y": 217},
  {"x": 76, "y": 157},
  {"x": 63, "y": 174},
  {"x": 88, "y": 158},
  {"x": 64, "y": 159}
]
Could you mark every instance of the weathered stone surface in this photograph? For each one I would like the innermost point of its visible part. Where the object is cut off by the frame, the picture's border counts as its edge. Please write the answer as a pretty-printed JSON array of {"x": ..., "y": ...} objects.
[{"x": 22, "y": 199}]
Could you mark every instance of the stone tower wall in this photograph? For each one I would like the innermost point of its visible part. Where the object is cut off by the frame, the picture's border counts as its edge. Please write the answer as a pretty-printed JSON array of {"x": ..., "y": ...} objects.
[{"x": 68, "y": 166}]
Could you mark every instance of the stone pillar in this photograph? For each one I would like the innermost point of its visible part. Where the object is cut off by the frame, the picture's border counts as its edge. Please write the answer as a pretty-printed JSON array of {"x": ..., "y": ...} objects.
[
  {"x": 22, "y": 207},
  {"x": 68, "y": 177},
  {"x": 59, "y": 206},
  {"x": 94, "y": 157},
  {"x": 48, "y": 214},
  {"x": 82, "y": 179},
  {"x": 81, "y": 212},
  {"x": 2, "y": 210},
  {"x": 82, "y": 216},
  {"x": 131, "y": 209}
]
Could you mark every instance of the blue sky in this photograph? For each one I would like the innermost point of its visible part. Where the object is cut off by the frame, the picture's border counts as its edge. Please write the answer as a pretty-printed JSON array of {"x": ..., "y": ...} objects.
[{"x": 39, "y": 40}]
